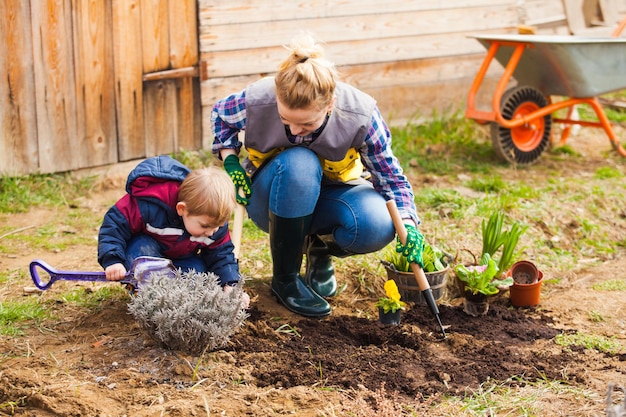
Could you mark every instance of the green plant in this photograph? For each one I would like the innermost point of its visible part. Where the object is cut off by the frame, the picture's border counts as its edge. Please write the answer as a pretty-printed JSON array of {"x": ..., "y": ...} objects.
[
  {"x": 494, "y": 239},
  {"x": 480, "y": 278},
  {"x": 510, "y": 241},
  {"x": 434, "y": 259},
  {"x": 391, "y": 303},
  {"x": 492, "y": 233},
  {"x": 288, "y": 329}
]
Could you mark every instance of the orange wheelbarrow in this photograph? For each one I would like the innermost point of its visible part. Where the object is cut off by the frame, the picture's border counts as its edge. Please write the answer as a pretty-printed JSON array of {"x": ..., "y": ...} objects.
[{"x": 576, "y": 68}]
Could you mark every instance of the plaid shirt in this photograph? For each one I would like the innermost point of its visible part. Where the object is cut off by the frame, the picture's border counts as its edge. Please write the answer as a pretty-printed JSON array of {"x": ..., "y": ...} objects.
[{"x": 228, "y": 118}]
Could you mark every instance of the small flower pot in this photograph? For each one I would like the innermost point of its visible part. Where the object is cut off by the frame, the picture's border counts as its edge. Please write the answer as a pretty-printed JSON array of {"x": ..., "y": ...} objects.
[
  {"x": 526, "y": 286},
  {"x": 389, "y": 318},
  {"x": 524, "y": 272},
  {"x": 526, "y": 295},
  {"x": 475, "y": 305}
]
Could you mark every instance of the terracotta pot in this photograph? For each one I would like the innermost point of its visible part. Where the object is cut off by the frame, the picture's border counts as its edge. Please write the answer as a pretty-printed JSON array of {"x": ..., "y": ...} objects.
[
  {"x": 389, "y": 318},
  {"x": 475, "y": 304},
  {"x": 524, "y": 272},
  {"x": 525, "y": 294}
]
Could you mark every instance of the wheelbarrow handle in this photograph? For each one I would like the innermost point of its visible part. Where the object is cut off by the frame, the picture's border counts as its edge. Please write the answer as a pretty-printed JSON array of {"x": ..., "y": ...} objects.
[{"x": 56, "y": 275}]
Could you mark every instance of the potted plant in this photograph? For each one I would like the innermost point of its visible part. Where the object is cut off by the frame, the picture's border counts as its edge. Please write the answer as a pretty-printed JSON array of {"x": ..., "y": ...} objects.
[
  {"x": 436, "y": 267},
  {"x": 390, "y": 307},
  {"x": 499, "y": 244},
  {"x": 479, "y": 283}
]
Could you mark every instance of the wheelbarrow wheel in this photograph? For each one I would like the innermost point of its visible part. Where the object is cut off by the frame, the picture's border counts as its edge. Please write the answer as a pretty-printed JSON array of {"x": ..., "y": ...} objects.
[{"x": 526, "y": 143}]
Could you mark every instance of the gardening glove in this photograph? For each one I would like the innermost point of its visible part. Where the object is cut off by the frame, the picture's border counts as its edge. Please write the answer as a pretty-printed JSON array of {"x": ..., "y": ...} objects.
[
  {"x": 413, "y": 248},
  {"x": 240, "y": 178}
]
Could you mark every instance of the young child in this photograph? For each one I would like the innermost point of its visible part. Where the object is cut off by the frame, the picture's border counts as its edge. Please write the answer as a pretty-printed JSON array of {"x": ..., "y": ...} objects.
[{"x": 171, "y": 212}]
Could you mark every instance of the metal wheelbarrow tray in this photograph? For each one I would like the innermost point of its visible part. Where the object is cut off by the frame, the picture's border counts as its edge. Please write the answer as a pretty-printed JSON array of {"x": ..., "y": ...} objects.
[{"x": 573, "y": 67}]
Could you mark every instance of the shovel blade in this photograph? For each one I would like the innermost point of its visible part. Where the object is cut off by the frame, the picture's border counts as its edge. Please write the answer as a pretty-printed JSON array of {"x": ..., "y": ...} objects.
[{"x": 144, "y": 266}]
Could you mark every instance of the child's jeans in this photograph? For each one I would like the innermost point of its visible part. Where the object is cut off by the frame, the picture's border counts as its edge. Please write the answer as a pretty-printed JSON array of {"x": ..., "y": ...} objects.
[{"x": 144, "y": 245}]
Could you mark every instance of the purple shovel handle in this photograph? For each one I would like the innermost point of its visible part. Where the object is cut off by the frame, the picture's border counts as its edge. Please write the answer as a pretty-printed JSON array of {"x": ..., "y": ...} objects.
[
  {"x": 140, "y": 272},
  {"x": 55, "y": 275}
]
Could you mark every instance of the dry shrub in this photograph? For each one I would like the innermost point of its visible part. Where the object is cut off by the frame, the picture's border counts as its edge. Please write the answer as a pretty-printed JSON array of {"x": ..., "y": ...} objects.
[{"x": 189, "y": 312}]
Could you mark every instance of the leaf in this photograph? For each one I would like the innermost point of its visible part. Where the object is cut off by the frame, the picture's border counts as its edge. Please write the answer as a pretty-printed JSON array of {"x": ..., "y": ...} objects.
[
  {"x": 489, "y": 273},
  {"x": 510, "y": 241},
  {"x": 491, "y": 233},
  {"x": 462, "y": 272},
  {"x": 479, "y": 280}
]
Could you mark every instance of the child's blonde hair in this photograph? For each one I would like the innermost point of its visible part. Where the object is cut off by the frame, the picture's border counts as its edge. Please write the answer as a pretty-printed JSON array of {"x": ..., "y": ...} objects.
[
  {"x": 208, "y": 192},
  {"x": 306, "y": 79}
]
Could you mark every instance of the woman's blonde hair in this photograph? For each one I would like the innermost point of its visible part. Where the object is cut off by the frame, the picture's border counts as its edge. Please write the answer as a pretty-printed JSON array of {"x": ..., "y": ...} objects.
[
  {"x": 208, "y": 192},
  {"x": 306, "y": 79}
]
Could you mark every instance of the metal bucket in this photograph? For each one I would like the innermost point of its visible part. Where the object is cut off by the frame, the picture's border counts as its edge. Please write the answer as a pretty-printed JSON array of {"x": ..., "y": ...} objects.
[{"x": 407, "y": 285}]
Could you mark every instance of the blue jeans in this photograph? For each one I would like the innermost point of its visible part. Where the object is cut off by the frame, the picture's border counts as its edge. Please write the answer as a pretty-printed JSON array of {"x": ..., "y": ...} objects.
[
  {"x": 144, "y": 245},
  {"x": 290, "y": 185}
]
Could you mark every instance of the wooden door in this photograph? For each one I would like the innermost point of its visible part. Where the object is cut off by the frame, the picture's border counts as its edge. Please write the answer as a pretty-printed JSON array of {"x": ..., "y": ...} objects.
[{"x": 95, "y": 82}]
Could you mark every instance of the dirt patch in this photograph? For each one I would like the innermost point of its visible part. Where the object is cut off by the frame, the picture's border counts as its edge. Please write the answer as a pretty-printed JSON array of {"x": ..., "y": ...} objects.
[{"x": 101, "y": 363}]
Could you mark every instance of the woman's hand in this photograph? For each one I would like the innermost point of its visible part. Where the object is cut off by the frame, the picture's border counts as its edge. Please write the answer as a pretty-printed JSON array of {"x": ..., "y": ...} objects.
[
  {"x": 413, "y": 248},
  {"x": 239, "y": 177}
]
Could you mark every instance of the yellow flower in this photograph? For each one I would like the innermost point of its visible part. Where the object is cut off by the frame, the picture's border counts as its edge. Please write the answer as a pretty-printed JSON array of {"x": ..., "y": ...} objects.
[
  {"x": 391, "y": 289},
  {"x": 392, "y": 301}
]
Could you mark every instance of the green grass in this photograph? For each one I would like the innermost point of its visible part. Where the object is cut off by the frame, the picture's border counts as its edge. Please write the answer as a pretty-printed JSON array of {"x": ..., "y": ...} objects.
[
  {"x": 610, "y": 285},
  {"x": 15, "y": 315},
  {"x": 615, "y": 115},
  {"x": 442, "y": 144},
  {"x": 516, "y": 396},
  {"x": 602, "y": 344},
  {"x": 93, "y": 299},
  {"x": 18, "y": 194},
  {"x": 608, "y": 173},
  {"x": 596, "y": 316},
  {"x": 195, "y": 159}
]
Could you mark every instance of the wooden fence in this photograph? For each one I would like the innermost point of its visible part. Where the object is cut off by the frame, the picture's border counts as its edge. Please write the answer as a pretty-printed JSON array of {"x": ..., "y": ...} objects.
[
  {"x": 413, "y": 56},
  {"x": 94, "y": 82}
]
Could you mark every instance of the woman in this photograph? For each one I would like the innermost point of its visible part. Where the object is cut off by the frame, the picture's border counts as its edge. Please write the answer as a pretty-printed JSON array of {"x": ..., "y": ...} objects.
[{"x": 318, "y": 173}]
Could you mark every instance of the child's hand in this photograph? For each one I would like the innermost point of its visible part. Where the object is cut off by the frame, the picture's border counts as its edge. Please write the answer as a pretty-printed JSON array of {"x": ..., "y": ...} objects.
[
  {"x": 115, "y": 272},
  {"x": 245, "y": 298}
]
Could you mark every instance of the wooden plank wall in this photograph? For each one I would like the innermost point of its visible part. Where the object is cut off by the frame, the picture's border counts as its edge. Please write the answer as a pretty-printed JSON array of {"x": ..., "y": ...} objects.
[
  {"x": 18, "y": 125},
  {"x": 412, "y": 56},
  {"x": 88, "y": 82},
  {"x": 94, "y": 82}
]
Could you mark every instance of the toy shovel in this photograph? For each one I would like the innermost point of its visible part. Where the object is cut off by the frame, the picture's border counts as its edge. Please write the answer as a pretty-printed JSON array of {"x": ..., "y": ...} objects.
[
  {"x": 420, "y": 277},
  {"x": 139, "y": 273}
]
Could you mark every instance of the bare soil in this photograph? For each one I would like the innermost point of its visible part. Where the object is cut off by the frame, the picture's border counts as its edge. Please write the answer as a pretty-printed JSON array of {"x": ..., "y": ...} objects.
[{"x": 100, "y": 362}]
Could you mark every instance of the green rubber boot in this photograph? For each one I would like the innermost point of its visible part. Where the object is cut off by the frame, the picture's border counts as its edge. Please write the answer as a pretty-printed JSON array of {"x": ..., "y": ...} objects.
[
  {"x": 320, "y": 272},
  {"x": 286, "y": 241}
]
